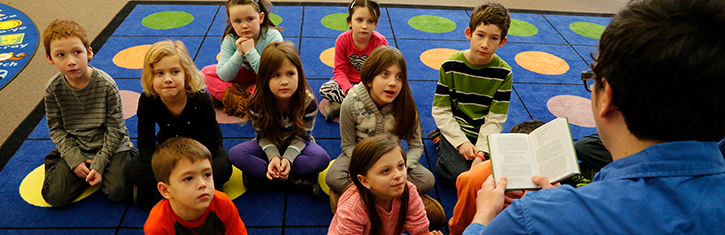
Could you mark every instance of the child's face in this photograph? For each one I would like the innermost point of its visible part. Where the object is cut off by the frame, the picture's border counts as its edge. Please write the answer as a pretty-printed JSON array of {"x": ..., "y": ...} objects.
[
  {"x": 71, "y": 57},
  {"x": 191, "y": 185},
  {"x": 386, "y": 86},
  {"x": 283, "y": 82},
  {"x": 245, "y": 20},
  {"x": 388, "y": 177},
  {"x": 362, "y": 23},
  {"x": 485, "y": 40},
  {"x": 169, "y": 77}
]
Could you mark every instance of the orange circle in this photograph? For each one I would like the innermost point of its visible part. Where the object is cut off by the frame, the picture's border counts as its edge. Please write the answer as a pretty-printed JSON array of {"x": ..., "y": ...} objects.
[
  {"x": 577, "y": 109},
  {"x": 434, "y": 58},
  {"x": 542, "y": 62},
  {"x": 328, "y": 57},
  {"x": 218, "y": 56},
  {"x": 132, "y": 57}
]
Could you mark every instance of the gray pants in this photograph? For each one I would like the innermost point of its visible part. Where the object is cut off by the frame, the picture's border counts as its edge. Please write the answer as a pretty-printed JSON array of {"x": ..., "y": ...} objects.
[
  {"x": 450, "y": 163},
  {"x": 62, "y": 186},
  {"x": 338, "y": 177}
]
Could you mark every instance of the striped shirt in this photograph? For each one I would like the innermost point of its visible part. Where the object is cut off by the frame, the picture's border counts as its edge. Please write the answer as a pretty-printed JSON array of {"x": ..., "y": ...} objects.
[
  {"x": 87, "y": 123},
  {"x": 476, "y": 96},
  {"x": 298, "y": 143}
]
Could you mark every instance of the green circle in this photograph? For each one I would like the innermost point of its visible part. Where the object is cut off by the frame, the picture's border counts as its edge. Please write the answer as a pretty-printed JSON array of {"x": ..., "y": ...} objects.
[
  {"x": 432, "y": 24},
  {"x": 276, "y": 19},
  {"x": 587, "y": 29},
  {"x": 167, "y": 19},
  {"x": 522, "y": 28},
  {"x": 336, "y": 21}
]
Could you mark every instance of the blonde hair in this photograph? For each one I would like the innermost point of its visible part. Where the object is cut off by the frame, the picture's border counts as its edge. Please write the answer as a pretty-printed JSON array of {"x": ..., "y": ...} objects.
[
  {"x": 193, "y": 80},
  {"x": 59, "y": 29}
]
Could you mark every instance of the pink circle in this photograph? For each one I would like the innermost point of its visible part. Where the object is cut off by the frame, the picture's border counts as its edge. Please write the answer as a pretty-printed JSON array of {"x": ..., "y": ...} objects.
[
  {"x": 223, "y": 118},
  {"x": 322, "y": 106},
  {"x": 577, "y": 109},
  {"x": 130, "y": 102}
]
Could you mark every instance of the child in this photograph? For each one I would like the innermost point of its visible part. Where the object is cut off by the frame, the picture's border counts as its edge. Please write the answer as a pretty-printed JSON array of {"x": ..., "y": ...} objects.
[
  {"x": 85, "y": 121},
  {"x": 183, "y": 169},
  {"x": 472, "y": 97},
  {"x": 470, "y": 182},
  {"x": 283, "y": 110},
  {"x": 380, "y": 200},
  {"x": 383, "y": 103},
  {"x": 351, "y": 50},
  {"x": 667, "y": 177},
  {"x": 248, "y": 32},
  {"x": 175, "y": 100}
]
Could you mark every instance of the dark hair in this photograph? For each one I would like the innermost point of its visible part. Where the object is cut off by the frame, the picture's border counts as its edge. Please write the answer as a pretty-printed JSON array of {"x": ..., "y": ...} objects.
[
  {"x": 665, "y": 63},
  {"x": 526, "y": 126},
  {"x": 370, "y": 4},
  {"x": 173, "y": 150},
  {"x": 491, "y": 13},
  {"x": 262, "y": 6},
  {"x": 406, "y": 113},
  {"x": 364, "y": 156},
  {"x": 263, "y": 100}
]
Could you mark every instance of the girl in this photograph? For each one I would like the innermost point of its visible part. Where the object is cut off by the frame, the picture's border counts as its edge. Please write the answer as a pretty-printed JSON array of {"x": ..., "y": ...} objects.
[
  {"x": 380, "y": 200},
  {"x": 174, "y": 98},
  {"x": 382, "y": 103},
  {"x": 282, "y": 110},
  {"x": 351, "y": 49},
  {"x": 248, "y": 31}
]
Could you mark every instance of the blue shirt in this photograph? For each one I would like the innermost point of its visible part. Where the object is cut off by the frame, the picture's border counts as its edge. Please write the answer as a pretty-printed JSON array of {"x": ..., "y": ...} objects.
[{"x": 668, "y": 188}]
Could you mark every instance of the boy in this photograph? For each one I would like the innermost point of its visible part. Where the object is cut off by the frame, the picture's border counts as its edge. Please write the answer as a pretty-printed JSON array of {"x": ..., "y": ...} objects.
[
  {"x": 182, "y": 167},
  {"x": 668, "y": 176},
  {"x": 472, "y": 97},
  {"x": 85, "y": 121}
]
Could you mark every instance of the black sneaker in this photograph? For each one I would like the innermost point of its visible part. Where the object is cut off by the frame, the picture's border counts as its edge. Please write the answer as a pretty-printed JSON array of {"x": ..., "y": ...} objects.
[
  {"x": 305, "y": 184},
  {"x": 435, "y": 136},
  {"x": 577, "y": 180}
]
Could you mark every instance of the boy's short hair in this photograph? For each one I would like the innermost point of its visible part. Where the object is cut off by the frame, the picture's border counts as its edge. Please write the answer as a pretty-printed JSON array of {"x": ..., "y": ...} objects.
[
  {"x": 173, "y": 150},
  {"x": 491, "y": 13},
  {"x": 61, "y": 28},
  {"x": 664, "y": 61},
  {"x": 527, "y": 126}
]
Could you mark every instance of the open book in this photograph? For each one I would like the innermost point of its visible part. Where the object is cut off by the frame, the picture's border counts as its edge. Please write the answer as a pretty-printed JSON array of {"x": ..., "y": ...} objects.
[{"x": 547, "y": 151}]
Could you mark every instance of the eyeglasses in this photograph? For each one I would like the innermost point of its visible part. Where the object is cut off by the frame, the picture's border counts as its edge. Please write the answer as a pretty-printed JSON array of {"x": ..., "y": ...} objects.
[{"x": 588, "y": 79}]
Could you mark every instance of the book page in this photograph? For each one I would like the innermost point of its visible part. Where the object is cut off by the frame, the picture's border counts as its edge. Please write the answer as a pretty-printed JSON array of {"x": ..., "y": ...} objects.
[
  {"x": 511, "y": 157},
  {"x": 553, "y": 150}
]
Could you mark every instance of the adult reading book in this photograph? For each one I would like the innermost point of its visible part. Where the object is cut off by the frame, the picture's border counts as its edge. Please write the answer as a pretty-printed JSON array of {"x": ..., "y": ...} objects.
[{"x": 546, "y": 151}]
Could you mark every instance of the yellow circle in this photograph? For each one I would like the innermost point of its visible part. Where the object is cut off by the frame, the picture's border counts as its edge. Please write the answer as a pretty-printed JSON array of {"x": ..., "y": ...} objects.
[
  {"x": 434, "y": 58},
  {"x": 4, "y": 25},
  {"x": 132, "y": 57},
  {"x": 542, "y": 62},
  {"x": 218, "y": 56},
  {"x": 321, "y": 179},
  {"x": 328, "y": 57},
  {"x": 235, "y": 186},
  {"x": 32, "y": 185}
]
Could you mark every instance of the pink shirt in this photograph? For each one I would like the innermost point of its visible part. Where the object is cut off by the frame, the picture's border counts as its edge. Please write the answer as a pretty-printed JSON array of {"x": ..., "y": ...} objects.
[
  {"x": 352, "y": 216},
  {"x": 349, "y": 59}
]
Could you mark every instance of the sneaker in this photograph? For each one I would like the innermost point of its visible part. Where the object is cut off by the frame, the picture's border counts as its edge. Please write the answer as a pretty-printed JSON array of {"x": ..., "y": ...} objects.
[
  {"x": 435, "y": 136},
  {"x": 577, "y": 180},
  {"x": 333, "y": 200},
  {"x": 135, "y": 194},
  {"x": 305, "y": 185},
  {"x": 434, "y": 210},
  {"x": 332, "y": 110}
]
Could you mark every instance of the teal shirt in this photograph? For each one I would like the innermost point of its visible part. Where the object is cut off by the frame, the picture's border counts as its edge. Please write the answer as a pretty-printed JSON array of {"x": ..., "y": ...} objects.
[{"x": 230, "y": 60}]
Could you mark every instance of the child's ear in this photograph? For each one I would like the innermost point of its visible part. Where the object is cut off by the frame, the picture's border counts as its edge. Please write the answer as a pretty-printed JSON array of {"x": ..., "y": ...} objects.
[
  {"x": 261, "y": 17},
  {"x": 90, "y": 53},
  {"x": 49, "y": 59},
  {"x": 503, "y": 42},
  {"x": 164, "y": 190},
  {"x": 364, "y": 181},
  {"x": 468, "y": 33}
]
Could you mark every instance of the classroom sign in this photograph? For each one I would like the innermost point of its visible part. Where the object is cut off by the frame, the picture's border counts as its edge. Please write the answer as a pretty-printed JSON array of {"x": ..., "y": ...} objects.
[{"x": 18, "y": 41}]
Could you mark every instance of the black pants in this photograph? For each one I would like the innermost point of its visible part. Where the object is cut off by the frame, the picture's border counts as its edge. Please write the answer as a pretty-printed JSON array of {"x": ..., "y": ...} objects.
[{"x": 592, "y": 154}]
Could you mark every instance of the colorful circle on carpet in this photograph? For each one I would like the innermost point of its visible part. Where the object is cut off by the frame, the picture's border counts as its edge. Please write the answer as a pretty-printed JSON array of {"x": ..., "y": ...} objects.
[
  {"x": 336, "y": 21},
  {"x": 132, "y": 57},
  {"x": 32, "y": 185},
  {"x": 588, "y": 29},
  {"x": 522, "y": 28},
  {"x": 167, "y": 19},
  {"x": 328, "y": 57},
  {"x": 129, "y": 99},
  {"x": 542, "y": 62},
  {"x": 432, "y": 24},
  {"x": 435, "y": 57},
  {"x": 223, "y": 118},
  {"x": 276, "y": 19},
  {"x": 235, "y": 186},
  {"x": 321, "y": 179},
  {"x": 577, "y": 109}
]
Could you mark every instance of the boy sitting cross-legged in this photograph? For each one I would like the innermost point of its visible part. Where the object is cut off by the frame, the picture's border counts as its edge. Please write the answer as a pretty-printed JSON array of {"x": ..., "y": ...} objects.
[{"x": 182, "y": 167}]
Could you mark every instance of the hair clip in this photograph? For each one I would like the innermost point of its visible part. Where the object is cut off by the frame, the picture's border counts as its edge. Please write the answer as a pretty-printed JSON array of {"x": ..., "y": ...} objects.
[
  {"x": 352, "y": 4},
  {"x": 256, "y": 1}
]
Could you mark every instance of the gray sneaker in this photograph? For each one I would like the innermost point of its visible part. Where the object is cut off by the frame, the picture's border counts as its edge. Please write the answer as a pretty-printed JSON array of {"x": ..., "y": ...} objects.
[{"x": 332, "y": 110}]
